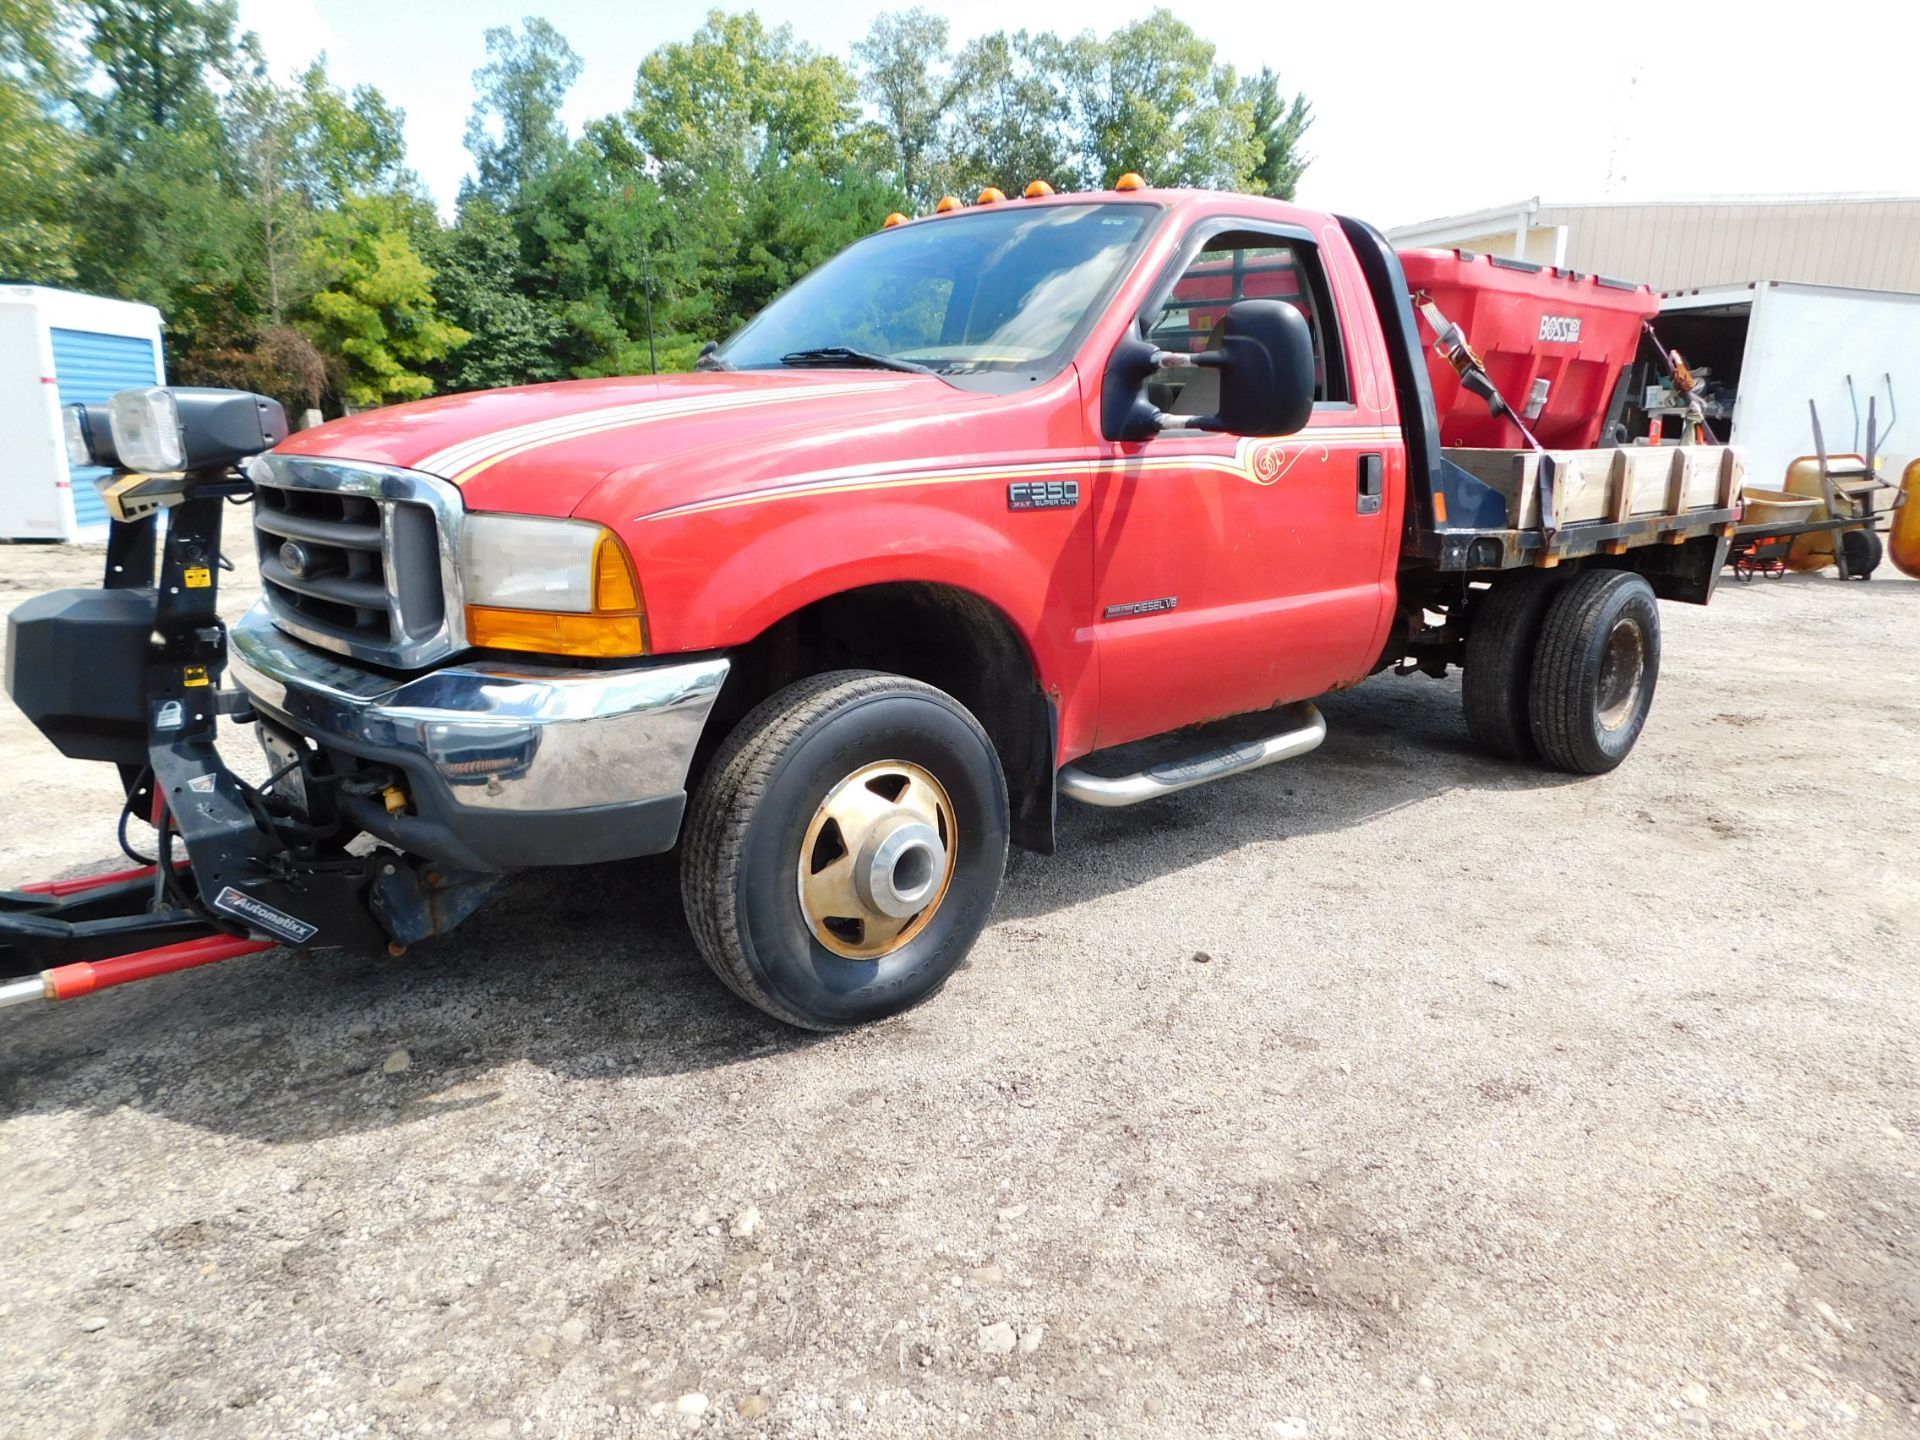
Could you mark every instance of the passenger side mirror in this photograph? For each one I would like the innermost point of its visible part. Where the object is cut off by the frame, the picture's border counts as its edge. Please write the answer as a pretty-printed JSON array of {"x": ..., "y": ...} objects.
[{"x": 1265, "y": 370}]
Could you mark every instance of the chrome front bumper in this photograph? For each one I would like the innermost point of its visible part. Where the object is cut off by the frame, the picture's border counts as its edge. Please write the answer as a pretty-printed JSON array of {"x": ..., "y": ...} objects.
[{"x": 516, "y": 764}]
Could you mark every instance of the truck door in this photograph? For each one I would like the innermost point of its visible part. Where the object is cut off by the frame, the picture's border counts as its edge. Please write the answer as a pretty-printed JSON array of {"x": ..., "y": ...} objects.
[{"x": 1233, "y": 574}]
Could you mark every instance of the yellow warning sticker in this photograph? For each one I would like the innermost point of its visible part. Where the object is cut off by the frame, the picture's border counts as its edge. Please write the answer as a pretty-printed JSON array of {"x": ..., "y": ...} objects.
[
  {"x": 195, "y": 675},
  {"x": 199, "y": 577}
]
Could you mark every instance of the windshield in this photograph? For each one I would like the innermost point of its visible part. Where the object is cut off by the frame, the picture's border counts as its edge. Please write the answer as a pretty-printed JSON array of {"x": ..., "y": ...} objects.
[{"x": 992, "y": 291}]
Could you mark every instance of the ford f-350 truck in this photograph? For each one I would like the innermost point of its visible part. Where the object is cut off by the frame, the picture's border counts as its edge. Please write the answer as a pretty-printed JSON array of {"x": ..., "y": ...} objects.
[{"x": 839, "y": 614}]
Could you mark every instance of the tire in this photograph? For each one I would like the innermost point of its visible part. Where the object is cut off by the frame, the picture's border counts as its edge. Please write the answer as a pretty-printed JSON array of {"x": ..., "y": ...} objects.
[
  {"x": 1594, "y": 671},
  {"x": 855, "y": 744},
  {"x": 1864, "y": 550},
  {"x": 1498, "y": 668}
]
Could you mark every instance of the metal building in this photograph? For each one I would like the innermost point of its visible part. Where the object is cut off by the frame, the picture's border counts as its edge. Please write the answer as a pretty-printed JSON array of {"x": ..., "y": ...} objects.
[{"x": 1864, "y": 242}]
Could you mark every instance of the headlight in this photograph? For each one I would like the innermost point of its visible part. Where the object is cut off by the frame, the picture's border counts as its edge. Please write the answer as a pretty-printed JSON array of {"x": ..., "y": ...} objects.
[
  {"x": 555, "y": 587},
  {"x": 89, "y": 436},
  {"x": 186, "y": 427},
  {"x": 146, "y": 429}
]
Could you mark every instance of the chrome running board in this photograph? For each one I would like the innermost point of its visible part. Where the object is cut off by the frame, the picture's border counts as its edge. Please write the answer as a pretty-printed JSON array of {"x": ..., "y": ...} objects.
[{"x": 1305, "y": 733}]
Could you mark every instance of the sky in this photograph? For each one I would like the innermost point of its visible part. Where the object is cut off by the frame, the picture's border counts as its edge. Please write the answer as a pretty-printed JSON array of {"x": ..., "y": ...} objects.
[{"x": 1421, "y": 109}]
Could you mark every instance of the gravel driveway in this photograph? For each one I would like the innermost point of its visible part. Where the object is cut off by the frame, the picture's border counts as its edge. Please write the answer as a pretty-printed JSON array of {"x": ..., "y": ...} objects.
[{"x": 1389, "y": 1092}]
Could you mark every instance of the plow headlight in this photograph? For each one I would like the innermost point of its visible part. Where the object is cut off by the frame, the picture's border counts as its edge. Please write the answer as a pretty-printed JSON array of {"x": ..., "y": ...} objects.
[
  {"x": 161, "y": 428},
  {"x": 555, "y": 587},
  {"x": 89, "y": 436},
  {"x": 147, "y": 430}
]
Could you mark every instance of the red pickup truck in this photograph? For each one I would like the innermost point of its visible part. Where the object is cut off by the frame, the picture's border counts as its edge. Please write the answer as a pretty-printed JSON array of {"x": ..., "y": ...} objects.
[{"x": 839, "y": 614}]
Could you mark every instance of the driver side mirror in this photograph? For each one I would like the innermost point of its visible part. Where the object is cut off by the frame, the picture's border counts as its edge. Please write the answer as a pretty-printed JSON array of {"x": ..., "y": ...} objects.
[{"x": 1266, "y": 368}]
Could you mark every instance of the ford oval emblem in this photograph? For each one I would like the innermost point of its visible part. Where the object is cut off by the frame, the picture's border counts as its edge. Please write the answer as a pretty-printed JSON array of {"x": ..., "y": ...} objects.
[{"x": 296, "y": 558}]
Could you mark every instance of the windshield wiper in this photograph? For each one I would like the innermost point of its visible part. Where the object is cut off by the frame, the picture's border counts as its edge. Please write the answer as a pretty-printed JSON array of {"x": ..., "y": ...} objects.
[
  {"x": 711, "y": 359},
  {"x": 841, "y": 355}
]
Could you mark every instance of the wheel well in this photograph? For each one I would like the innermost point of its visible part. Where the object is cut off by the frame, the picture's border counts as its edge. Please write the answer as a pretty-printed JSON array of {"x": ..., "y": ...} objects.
[{"x": 939, "y": 634}]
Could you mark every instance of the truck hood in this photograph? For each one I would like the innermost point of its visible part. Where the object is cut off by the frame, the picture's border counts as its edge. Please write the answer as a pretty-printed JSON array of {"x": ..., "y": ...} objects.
[{"x": 667, "y": 440}]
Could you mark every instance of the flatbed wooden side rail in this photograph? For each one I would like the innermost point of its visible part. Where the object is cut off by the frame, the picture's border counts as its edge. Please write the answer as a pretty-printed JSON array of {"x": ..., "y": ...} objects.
[{"x": 1604, "y": 502}]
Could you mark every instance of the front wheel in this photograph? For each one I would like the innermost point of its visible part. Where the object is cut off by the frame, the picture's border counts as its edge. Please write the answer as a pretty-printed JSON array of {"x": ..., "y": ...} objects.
[
  {"x": 1594, "y": 671},
  {"x": 845, "y": 848}
]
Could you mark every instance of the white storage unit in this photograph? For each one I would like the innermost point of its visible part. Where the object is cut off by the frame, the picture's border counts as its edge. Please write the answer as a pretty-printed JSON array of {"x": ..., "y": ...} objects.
[
  {"x": 1780, "y": 345},
  {"x": 61, "y": 348}
]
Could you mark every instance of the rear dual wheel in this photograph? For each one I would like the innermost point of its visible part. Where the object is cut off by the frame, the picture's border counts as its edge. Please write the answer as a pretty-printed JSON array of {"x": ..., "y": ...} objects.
[
  {"x": 845, "y": 848},
  {"x": 1564, "y": 670}
]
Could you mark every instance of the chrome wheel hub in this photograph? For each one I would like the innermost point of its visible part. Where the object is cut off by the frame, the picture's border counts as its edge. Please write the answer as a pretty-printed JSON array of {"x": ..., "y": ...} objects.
[{"x": 1622, "y": 669}]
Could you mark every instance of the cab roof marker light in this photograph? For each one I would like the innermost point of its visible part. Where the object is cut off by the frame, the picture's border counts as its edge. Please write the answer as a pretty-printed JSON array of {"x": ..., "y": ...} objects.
[
  {"x": 947, "y": 202},
  {"x": 896, "y": 218},
  {"x": 1130, "y": 181},
  {"x": 1038, "y": 188},
  {"x": 991, "y": 196}
]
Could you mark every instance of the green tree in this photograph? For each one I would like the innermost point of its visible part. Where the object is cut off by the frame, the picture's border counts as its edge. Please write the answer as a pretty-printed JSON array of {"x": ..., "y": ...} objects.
[
  {"x": 302, "y": 148},
  {"x": 903, "y": 62},
  {"x": 1150, "y": 98},
  {"x": 375, "y": 306},
  {"x": 1011, "y": 111},
  {"x": 713, "y": 109},
  {"x": 38, "y": 153},
  {"x": 515, "y": 132},
  {"x": 161, "y": 59},
  {"x": 477, "y": 284},
  {"x": 156, "y": 213},
  {"x": 762, "y": 163},
  {"x": 1279, "y": 124}
]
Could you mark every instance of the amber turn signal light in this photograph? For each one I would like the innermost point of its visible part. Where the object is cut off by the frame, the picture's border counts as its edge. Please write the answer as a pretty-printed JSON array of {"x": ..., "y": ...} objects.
[
  {"x": 616, "y": 626},
  {"x": 549, "y": 632}
]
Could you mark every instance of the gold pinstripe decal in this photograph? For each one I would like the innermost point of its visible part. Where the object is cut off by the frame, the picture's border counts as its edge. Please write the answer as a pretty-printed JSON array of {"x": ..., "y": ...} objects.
[
  {"x": 1259, "y": 462},
  {"x": 460, "y": 463}
]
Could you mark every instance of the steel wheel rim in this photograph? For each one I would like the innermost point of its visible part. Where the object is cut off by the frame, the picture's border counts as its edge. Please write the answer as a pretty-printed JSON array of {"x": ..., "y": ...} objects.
[
  {"x": 877, "y": 859},
  {"x": 1623, "y": 670}
]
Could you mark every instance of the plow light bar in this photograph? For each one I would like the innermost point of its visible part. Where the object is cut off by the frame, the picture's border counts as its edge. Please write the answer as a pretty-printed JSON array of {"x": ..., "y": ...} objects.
[{"x": 163, "y": 428}]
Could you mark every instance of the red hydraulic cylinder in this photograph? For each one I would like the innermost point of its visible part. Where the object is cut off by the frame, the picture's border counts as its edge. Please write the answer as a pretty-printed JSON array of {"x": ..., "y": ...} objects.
[
  {"x": 65, "y": 982},
  {"x": 85, "y": 883}
]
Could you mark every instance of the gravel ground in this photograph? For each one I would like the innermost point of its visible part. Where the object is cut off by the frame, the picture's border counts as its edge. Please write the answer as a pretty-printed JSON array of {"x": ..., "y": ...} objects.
[{"x": 1390, "y": 1092}]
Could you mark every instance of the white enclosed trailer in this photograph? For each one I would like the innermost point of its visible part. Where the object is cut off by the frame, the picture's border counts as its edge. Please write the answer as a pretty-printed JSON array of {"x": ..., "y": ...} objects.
[
  {"x": 1777, "y": 345},
  {"x": 59, "y": 348}
]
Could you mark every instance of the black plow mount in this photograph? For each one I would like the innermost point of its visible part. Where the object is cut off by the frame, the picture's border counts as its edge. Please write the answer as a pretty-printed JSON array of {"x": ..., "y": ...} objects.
[{"x": 129, "y": 674}]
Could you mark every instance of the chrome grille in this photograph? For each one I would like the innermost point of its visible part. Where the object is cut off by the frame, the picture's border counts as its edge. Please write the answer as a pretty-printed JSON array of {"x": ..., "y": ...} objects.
[{"x": 359, "y": 559}]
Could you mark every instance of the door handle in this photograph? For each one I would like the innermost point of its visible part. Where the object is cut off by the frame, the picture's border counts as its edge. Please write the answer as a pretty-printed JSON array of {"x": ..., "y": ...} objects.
[{"x": 1373, "y": 484}]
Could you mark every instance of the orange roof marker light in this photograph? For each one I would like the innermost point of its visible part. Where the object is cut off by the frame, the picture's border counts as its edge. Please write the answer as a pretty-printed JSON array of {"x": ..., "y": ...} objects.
[
  {"x": 991, "y": 196},
  {"x": 1130, "y": 181},
  {"x": 896, "y": 218},
  {"x": 947, "y": 202},
  {"x": 1037, "y": 189}
]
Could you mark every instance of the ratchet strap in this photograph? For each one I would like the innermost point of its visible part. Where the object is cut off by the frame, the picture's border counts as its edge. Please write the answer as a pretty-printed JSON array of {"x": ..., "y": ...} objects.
[{"x": 1450, "y": 344}]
